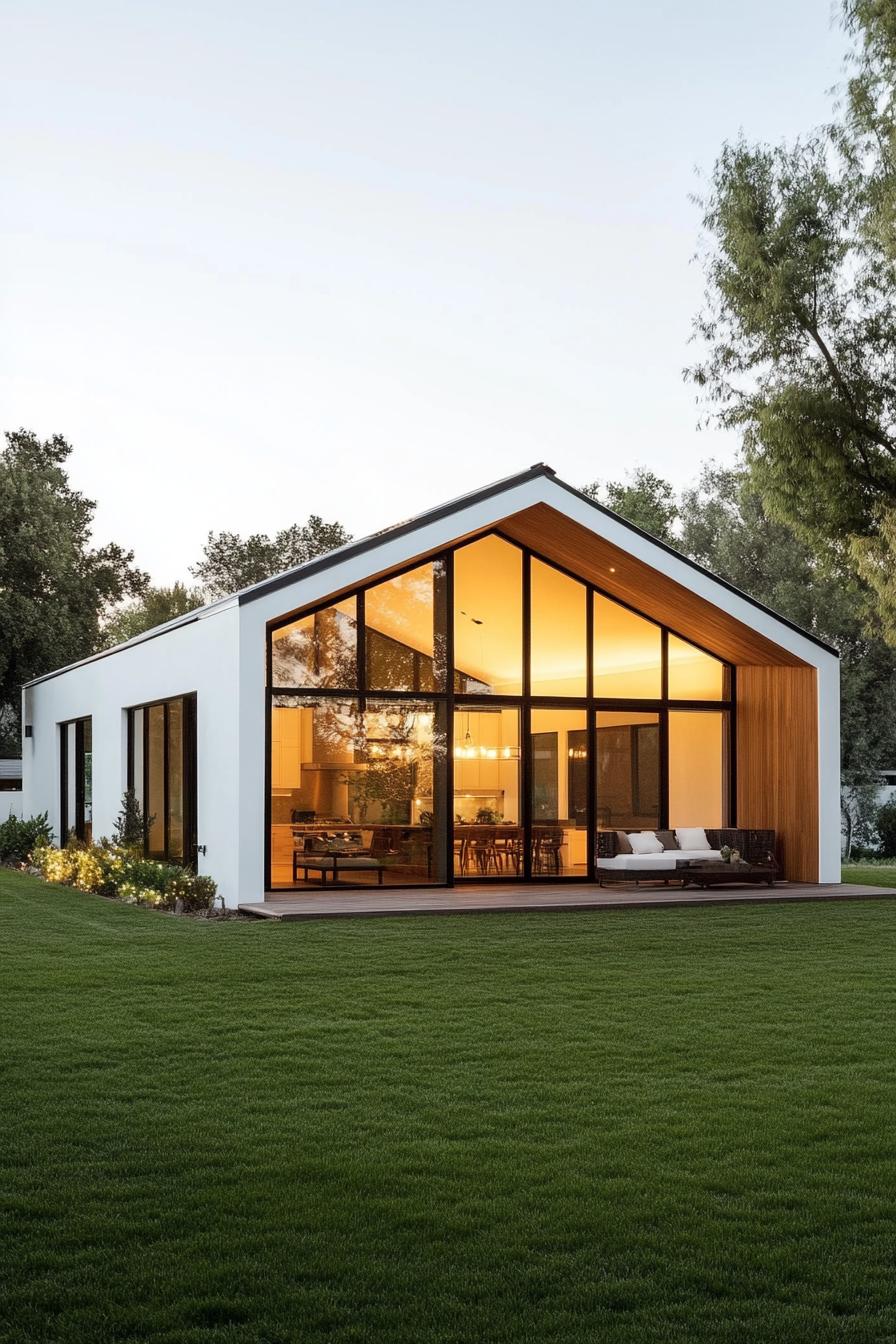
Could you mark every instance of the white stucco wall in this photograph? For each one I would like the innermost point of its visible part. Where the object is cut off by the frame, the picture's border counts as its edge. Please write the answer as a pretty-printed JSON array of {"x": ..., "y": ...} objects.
[
  {"x": 828, "y": 768},
  {"x": 11, "y": 804},
  {"x": 200, "y": 657}
]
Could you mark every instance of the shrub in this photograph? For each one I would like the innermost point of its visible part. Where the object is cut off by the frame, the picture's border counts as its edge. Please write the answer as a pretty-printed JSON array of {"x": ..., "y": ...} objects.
[
  {"x": 195, "y": 892},
  {"x": 150, "y": 874},
  {"x": 117, "y": 871},
  {"x": 76, "y": 865},
  {"x": 130, "y": 824},
  {"x": 19, "y": 839},
  {"x": 886, "y": 829}
]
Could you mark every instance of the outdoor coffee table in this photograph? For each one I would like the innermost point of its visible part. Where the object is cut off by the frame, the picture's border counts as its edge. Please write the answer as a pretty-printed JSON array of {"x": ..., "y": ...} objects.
[{"x": 716, "y": 873}]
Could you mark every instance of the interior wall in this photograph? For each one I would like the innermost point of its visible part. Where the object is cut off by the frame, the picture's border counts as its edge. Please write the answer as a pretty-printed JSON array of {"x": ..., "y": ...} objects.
[
  {"x": 698, "y": 769},
  {"x": 777, "y": 761}
]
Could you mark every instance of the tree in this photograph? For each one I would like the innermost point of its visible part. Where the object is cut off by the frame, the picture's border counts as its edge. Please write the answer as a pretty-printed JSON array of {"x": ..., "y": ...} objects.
[
  {"x": 231, "y": 562},
  {"x": 645, "y": 499},
  {"x": 799, "y": 323},
  {"x": 725, "y": 525},
  {"x": 55, "y": 589},
  {"x": 886, "y": 829},
  {"x": 861, "y": 815},
  {"x": 154, "y": 607}
]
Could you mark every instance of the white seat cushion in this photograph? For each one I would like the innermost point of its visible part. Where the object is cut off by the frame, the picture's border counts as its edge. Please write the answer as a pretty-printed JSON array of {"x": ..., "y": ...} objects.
[
  {"x": 659, "y": 863},
  {"x": 655, "y": 863}
]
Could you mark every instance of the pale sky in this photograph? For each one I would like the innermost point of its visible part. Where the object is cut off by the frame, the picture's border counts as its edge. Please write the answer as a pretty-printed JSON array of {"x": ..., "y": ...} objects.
[{"x": 262, "y": 260}]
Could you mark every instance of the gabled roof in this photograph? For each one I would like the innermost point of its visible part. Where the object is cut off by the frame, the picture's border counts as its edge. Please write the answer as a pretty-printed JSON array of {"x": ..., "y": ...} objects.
[{"x": 355, "y": 549}]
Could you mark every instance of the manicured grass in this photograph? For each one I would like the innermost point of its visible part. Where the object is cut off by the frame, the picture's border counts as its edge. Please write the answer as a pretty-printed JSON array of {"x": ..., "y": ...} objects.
[
  {"x": 637, "y": 1126},
  {"x": 870, "y": 874}
]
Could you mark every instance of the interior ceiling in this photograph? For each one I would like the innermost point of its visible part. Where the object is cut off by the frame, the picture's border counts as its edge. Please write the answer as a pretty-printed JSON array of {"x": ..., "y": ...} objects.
[{"x": 618, "y": 573}]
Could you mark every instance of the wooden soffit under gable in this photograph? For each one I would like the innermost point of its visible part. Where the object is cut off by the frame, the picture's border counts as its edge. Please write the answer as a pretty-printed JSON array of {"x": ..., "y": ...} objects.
[
  {"x": 583, "y": 552},
  {"x": 619, "y": 574}
]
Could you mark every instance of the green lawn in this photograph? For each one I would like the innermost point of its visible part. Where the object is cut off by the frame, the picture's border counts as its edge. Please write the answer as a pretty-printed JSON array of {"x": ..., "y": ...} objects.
[
  {"x": 634, "y": 1126},
  {"x": 870, "y": 874}
]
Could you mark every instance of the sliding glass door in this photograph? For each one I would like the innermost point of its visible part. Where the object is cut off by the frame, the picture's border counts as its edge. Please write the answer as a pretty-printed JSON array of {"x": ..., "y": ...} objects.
[
  {"x": 558, "y": 792},
  {"x": 628, "y": 770}
]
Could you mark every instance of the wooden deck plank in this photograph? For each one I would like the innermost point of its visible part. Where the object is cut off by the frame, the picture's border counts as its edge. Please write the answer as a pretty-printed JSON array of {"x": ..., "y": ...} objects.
[{"x": 485, "y": 900}]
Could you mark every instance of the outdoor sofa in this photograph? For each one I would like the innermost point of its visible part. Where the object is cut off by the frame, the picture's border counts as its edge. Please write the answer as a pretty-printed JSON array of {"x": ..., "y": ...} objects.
[{"x": 681, "y": 848}]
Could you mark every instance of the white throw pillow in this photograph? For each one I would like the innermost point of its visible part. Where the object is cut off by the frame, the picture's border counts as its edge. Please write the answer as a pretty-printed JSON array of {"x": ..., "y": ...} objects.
[
  {"x": 644, "y": 842},
  {"x": 692, "y": 837}
]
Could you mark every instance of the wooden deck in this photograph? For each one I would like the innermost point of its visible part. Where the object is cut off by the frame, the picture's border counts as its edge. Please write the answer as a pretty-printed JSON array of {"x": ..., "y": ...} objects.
[{"x": 489, "y": 899}]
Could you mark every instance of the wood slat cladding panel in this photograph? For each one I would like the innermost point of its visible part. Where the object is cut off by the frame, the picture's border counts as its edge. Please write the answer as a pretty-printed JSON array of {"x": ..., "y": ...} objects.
[
  {"x": 777, "y": 761},
  {"x": 581, "y": 551}
]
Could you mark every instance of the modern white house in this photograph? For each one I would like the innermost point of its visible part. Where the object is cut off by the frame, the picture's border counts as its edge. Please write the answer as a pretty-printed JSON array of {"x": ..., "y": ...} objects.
[{"x": 487, "y": 691}]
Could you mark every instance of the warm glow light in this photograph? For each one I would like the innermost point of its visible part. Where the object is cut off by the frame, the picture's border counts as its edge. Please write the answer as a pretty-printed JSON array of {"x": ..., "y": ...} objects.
[{"x": 473, "y": 753}]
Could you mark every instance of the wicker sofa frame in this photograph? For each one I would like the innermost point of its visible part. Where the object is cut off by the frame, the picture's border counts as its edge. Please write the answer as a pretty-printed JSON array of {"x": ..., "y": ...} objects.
[{"x": 756, "y": 846}]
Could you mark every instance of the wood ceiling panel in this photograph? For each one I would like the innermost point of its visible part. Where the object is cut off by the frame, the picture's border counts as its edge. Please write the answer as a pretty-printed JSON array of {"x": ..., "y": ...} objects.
[{"x": 580, "y": 550}]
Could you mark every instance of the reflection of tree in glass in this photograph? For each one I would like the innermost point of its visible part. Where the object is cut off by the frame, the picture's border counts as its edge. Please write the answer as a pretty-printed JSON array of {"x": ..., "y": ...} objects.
[
  {"x": 396, "y": 756},
  {"x": 403, "y": 651},
  {"x": 318, "y": 650}
]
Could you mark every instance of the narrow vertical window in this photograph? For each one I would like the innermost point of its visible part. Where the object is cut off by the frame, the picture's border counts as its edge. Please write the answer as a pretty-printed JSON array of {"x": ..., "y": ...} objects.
[{"x": 76, "y": 780}]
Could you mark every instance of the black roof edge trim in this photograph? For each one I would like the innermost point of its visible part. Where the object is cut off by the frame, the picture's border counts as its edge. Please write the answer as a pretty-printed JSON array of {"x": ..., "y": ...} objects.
[
  {"x": 354, "y": 549},
  {"x": 116, "y": 648}
]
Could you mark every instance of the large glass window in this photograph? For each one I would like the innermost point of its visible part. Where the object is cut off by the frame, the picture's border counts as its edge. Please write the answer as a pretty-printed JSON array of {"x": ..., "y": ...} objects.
[
  {"x": 695, "y": 675},
  {"x": 357, "y": 794},
  {"x": 558, "y": 774},
  {"x": 488, "y": 618},
  {"x": 404, "y": 649},
  {"x": 628, "y": 770},
  {"x": 558, "y": 661},
  {"x": 319, "y": 650},
  {"x": 76, "y": 780},
  {"x": 371, "y": 717},
  {"x": 698, "y": 768},
  {"x": 628, "y": 653},
  {"x": 162, "y": 774},
  {"x": 488, "y": 832}
]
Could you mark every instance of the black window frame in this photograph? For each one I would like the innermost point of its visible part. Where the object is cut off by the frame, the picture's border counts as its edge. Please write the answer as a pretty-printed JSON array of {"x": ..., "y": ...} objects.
[
  {"x": 189, "y": 775},
  {"x": 79, "y": 830},
  {"x": 454, "y": 699}
]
